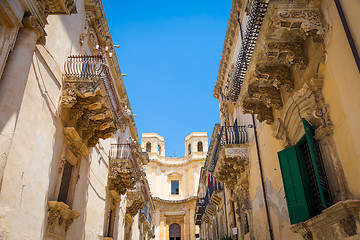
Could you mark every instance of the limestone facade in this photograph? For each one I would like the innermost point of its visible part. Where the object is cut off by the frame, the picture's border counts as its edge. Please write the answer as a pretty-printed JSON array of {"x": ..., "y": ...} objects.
[
  {"x": 70, "y": 156},
  {"x": 293, "y": 68},
  {"x": 174, "y": 182}
]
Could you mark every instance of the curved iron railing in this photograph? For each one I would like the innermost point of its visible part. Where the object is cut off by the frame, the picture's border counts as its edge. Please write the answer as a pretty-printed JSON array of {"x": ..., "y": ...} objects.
[
  {"x": 121, "y": 151},
  {"x": 227, "y": 135},
  {"x": 253, "y": 26},
  {"x": 81, "y": 67}
]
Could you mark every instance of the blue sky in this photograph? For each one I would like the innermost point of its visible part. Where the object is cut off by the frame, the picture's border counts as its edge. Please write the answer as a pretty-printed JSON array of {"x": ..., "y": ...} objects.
[{"x": 170, "y": 52}]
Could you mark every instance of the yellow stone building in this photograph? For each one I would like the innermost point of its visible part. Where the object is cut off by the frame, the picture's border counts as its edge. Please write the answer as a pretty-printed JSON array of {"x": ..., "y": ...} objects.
[
  {"x": 70, "y": 156},
  {"x": 173, "y": 182},
  {"x": 283, "y": 163}
]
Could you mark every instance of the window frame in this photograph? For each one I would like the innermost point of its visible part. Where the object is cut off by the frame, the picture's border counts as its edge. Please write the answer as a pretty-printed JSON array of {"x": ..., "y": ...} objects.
[
  {"x": 296, "y": 179},
  {"x": 174, "y": 193}
]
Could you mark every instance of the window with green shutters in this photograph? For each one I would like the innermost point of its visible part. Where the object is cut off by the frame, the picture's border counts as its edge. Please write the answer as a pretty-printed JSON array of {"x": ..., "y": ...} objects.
[{"x": 304, "y": 178}]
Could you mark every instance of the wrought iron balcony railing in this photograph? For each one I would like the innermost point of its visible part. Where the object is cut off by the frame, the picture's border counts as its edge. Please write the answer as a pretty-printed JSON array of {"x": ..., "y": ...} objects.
[
  {"x": 257, "y": 14},
  {"x": 83, "y": 68},
  {"x": 227, "y": 135},
  {"x": 124, "y": 151}
]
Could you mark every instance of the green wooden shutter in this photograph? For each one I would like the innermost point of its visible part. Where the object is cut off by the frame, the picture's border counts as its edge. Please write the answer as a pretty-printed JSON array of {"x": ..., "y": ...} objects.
[
  {"x": 296, "y": 191},
  {"x": 318, "y": 165}
]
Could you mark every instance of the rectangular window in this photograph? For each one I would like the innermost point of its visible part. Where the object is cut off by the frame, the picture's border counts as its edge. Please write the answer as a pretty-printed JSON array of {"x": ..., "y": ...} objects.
[
  {"x": 175, "y": 187},
  {"x": 65, "y": 182},
  {"x": 304, "y": 178},
  {"x": 110, "y": 223}
]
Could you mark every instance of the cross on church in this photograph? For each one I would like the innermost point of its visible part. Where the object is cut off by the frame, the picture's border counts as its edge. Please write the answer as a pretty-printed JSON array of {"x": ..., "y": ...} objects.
[{"x": 174, "y": 154}]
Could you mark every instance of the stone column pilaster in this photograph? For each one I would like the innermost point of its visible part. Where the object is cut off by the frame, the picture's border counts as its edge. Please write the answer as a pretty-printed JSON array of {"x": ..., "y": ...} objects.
[{"x": 13, "y": 83}]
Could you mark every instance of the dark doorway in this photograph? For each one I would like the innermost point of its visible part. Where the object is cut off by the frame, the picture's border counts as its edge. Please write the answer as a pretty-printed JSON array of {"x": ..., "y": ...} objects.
[{"x": 175, "y": 231}]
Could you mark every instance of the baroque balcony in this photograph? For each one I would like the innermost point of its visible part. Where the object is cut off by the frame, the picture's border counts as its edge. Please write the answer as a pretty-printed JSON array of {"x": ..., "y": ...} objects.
[
  {"x": 89, "y": 100},
  {"x": 134, "y": 201},
  {"x": 230, "y": 155},
  {"x": 271, "y": 61},
  {"x": 124, "y": 168},
  {"x": 213, "y": 200}
]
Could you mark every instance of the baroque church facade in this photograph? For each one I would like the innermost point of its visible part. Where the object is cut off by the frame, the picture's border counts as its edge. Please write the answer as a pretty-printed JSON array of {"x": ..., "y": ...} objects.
[{"x": 174, "y": 182}]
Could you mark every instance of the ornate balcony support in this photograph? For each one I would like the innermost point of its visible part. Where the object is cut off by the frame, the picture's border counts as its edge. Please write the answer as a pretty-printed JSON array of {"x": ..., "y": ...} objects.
[
  {"x": 279, "y": 58},
  {"x": 231, "y": 164},
  {"x": 135, "y": 202},
  {"x": 60, "y": 218},
  {"x": 206, "y": 218},
  {"x": 210, "y": 209},
  {"x": 217, "y": 198},
  {"x": 123, "y": 171},
  {"x": 89, "y": 101},
  {"x": 269, "y": 95},
  {"x": 290, "y": 53}
]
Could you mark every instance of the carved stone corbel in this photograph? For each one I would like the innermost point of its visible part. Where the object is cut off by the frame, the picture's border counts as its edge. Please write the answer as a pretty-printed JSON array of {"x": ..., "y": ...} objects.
[
  {"x": 33, "y": 23},
  {"x": 264, "y": 113},
  {"x": 134, "y": 202},
  {"x": 291, "y": 53},
  {"x": 269, "y": 95},
  {"x": 277, "y": 75},
  {"x": 306, "y": 22}
]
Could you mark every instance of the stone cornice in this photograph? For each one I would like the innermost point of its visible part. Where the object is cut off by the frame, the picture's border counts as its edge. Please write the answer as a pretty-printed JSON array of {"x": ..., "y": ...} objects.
[
  {"x": 181, "y": 161},
  {"x": 229, "y": 45},
  {"x": 189, "y": 199}
]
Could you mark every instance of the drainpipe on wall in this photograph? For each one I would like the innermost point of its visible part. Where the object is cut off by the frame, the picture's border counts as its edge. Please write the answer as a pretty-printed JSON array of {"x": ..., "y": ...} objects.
[
  {"x": 262, "y": 179},
  {"x": 348, "y": 34},
  {"x": 233, "y": 207}
]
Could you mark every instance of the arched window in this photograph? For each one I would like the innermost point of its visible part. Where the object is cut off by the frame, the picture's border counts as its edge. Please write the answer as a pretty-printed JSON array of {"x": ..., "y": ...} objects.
[
  {"x": 148, "y": 147},
  {"x": 200, "y": 147},
  {"x": 174, "y": 231},
  {"x": 189, "y": 149},
  {"x": 159, "y": 149}
]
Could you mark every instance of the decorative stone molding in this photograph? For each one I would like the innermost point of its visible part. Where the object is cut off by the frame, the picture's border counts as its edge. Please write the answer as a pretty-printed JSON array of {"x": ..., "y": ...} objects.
[
  {"x": 264, "y": 113},
  {"x": 291, "y": 53},
  {"x": 217, "y": 198},
  {"x": 277, "y": 75},
  {"x": 305, "y": 103},
  {"x": 66, "y": 7},
  {"x": 60, "y": 218},
  {"x": 206, "y": 218},
  {"x": 306, "y": 22},
  {"x": 340, "y": 221},
  {"x": 231, "y": 164},
  {"x": 269, "y": 95},
  {"x": 77, "y": 148},
  {"x": 229, "y": 46},
  {"x": 33, "y": 23},
  {"x": 146, "y": 225},
  {"x": 115, "y": 198},
  {"x": 128, "y": 219},
  {"x": 210, "y": 209}
]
